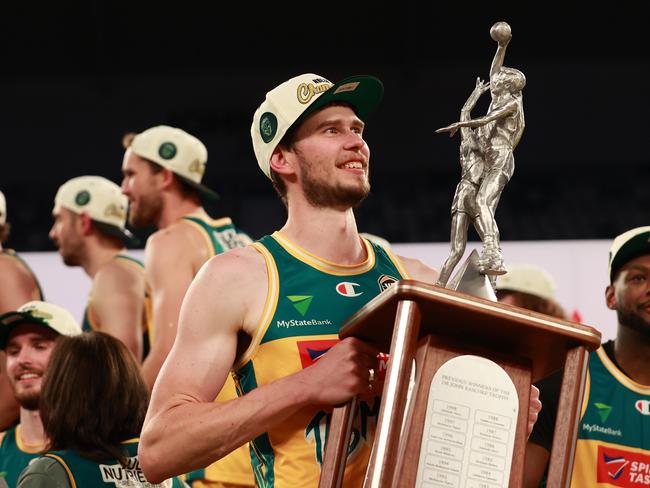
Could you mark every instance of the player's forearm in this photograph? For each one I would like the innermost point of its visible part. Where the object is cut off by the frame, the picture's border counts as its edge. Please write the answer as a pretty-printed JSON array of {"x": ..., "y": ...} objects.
[{"x": 209, "y": 431}]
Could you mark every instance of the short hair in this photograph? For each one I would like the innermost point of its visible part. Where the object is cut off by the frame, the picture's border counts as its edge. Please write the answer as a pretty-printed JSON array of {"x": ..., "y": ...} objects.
[
  {"x": 534, "y": 303},
  {"x": 93, "y": 396}
]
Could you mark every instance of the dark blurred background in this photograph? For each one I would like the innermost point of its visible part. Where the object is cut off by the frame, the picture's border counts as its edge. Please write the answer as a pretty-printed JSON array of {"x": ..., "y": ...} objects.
[{"x": 74, "y": 77}]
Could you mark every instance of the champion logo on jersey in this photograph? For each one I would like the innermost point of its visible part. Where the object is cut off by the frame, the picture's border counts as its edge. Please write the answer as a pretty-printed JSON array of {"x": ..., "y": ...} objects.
[
  {"x": 617, "y": 467},
  {"x": 311, "y": 351},
  {"x": 348, "y": 289},
  {"x": 643, "y": 406},
  {"x": 385, "y": 281}
]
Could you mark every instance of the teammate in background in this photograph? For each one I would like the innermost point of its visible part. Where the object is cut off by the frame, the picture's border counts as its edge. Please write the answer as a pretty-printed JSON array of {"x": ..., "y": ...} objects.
[
  {"x": 530, "y": 287},
  {"x": 27, "y": 336},
  {"x": 91, "y": 443},
  {"x": 273, "y": 308},
  {"x": 613, "y": 447},
  {"x": 18, "y": 285},
  {"x": 89, "y": 231},
  {"x": 163, "y": 167}
]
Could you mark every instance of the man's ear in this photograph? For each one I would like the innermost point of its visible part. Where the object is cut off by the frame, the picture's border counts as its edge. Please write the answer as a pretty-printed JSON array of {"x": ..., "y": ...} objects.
[
  {"x": 85, "y": 224},
  {"x": 167, "y": 178},
  {"x": 610, "y": 297},
  {"x": 282, "y": 161}
]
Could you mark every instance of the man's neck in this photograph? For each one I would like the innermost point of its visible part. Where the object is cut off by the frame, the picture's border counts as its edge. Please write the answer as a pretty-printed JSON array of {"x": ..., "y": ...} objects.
[
  {"x": 175, "y": 207},
  {"x": 97, "y": 255},
  {"x": 31, "y": 429},
  {"x": 328, "y": 233},
  {"x": 632, "y": 351}
]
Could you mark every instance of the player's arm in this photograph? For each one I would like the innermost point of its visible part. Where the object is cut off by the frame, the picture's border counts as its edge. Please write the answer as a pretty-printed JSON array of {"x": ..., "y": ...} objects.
[
  {"x": 169, "y": 272},
  {"x": 535, "y": 464},
  {"x": 118, "y": 304},
  {"x": 17, "y": 286},
  {"x": 225, "y": 296}
]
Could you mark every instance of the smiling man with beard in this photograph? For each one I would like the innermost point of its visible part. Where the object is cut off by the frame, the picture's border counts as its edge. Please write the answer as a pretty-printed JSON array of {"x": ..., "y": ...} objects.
[
  {"x": 613, "y": 447},
  {"x": 271, "y": 312},
  {"x": 27, "y": 336}
]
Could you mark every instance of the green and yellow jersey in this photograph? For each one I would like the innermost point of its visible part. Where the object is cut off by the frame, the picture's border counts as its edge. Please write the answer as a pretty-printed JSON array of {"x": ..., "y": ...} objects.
[
  {"x": 15, "y": 456},
  {"x": 308, "y": 300}
]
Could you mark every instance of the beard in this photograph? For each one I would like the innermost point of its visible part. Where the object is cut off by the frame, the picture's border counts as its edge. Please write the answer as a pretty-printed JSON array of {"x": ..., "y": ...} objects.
[
  {"x": 322, "y": 194},
  {"x": 29, "y": 400},
  {"x": 628, "y": 317},
  {"x": 146, "y": 212}
]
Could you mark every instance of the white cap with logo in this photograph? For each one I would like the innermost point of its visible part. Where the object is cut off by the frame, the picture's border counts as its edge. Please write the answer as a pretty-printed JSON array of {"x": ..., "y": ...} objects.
[
  {"x": 289, "y": 103},
  {"x": 101, "y": 199},
  {"x": 3, "y": 209},
  {"x": 37, "y": 312},
  {"x": 177, "y": 151},
  {"x": 627, "y": 246},
  {"x": 527, "y": 278}
]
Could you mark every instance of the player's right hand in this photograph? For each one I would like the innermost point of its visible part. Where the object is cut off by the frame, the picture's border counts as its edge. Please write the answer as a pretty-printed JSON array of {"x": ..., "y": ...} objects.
[{"x": 342, "y": 372}]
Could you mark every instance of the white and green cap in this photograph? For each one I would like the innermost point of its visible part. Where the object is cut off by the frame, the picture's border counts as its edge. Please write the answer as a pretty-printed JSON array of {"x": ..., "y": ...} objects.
[
  {"x": 627, "y": 246},
  {"x": 176, "y": 150},
  {"x": 527, "y": 278},
  {"x": 37, "y": 312},
  {"x": 99, "y": 198},
  {"x": 289, "y": 103},
  {"x": 3, "y": 209}
]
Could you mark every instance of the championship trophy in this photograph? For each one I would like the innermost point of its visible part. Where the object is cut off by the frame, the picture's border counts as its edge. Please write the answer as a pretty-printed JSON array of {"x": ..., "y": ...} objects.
[
  {"x": 487, "y": 163},
  {"x": 455, "y": 402}
]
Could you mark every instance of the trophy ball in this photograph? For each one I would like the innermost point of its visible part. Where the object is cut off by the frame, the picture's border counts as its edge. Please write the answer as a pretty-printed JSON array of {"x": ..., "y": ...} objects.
[{"x": 500, "y": 32}]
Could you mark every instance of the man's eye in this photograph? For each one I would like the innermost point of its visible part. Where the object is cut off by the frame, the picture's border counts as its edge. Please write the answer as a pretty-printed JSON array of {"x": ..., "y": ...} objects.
[{"x": 637, "y": 278}]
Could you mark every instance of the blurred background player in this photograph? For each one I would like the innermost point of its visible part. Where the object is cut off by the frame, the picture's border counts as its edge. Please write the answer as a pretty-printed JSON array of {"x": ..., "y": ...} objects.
[
  {"x": 18, "y": 285},
  {"x": 531, "y": 287},
  {"x": 89, "y": 231},
  {"x": 27, "y": 336},
  {"x": 163, "y": 168}
]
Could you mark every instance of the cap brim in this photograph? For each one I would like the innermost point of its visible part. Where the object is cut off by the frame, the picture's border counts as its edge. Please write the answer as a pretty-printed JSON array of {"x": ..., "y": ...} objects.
[
  {"x": 10, "y": 320},
  {"x": 362, "y": 92},
  {"x": 202, "y": 189},
  {"x": 639, "y": 245},
  {"x": 112, "y": 230}
]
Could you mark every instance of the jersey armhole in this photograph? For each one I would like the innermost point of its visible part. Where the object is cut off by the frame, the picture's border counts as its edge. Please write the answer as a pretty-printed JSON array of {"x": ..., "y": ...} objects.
[
  {"x": 60, "y": 460},
  {"x": 270, "y": 305}
]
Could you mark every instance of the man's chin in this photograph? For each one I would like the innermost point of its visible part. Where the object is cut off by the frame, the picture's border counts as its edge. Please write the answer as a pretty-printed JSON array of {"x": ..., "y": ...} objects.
[{"x": 29, "y": 401}]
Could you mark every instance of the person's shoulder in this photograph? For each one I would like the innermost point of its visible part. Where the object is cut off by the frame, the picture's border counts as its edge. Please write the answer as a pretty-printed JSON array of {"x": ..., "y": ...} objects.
[
  {"x": 45, "y": 472},
  {"x": 118, "y": 271},
  {"x": 237, "y": 261},
  {"x": 419, "y": 271}
]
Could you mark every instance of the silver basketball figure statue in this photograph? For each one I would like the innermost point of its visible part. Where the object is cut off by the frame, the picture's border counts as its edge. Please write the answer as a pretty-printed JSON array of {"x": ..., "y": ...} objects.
[{"x": 499, "y": 132}]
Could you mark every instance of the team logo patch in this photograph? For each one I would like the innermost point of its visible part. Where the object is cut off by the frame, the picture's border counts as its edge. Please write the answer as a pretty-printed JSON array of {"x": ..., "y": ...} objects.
[
  {"x": 167, "y": 150},
  {"x": 603, "y": 411},
  {"x": 82, "y": 198},
  {"x": 301, "y": 302},
  {"x": 617, "y": 467},
  {"x": 385, "y": 281},
  {"x": 311, "y": 351},
  {"x": 643, "y": 406},
  {"x": 268, "y": 126},
  {"x": 347, "y": 289}
]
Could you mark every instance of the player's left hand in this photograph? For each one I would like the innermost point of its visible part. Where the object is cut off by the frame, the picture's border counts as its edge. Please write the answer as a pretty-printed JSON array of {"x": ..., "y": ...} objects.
[{"x": 534, "y": 407}]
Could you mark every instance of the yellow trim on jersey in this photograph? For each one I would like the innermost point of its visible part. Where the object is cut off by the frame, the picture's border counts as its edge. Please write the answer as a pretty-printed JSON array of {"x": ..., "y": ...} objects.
[
  {"x": 398, "y": 264},
  {"x": 205, "y": 235},
  {"x": 65, "y": 466},
  {"x": 585, "y": 396},
  {"x": 28, "y": 448},
  {"x": 620, "y": 377},
  {"x": 269, "y": 306},
  {"x": 323, "y": 265}
]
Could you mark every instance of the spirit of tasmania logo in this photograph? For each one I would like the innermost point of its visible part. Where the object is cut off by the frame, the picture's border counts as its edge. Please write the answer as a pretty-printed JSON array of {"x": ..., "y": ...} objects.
[
  {"x": 623, "y": 468},
  {"x": 311, "y": 351}
]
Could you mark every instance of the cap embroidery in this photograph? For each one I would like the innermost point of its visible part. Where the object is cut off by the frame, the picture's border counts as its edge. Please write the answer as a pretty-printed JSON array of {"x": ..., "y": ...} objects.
[
  {"x": 197, "y": 167},
  {"x": 167, "y": 150},
  {"x": 114, "y": 211},
  {"x": 34, "y": 312},
  {"x": 82, "y": 198},
  {"x": 307, "y": 91},
  {"x": 348, "y": 87},
  {"x": 268, "y": 126}
]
